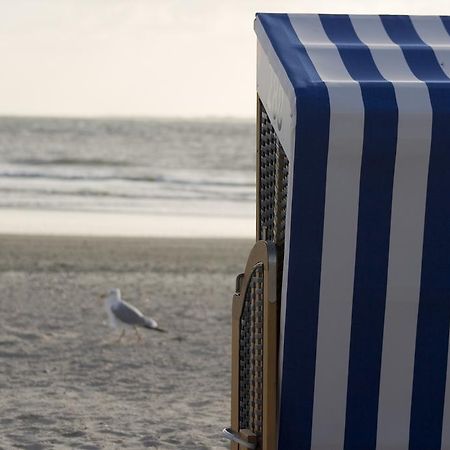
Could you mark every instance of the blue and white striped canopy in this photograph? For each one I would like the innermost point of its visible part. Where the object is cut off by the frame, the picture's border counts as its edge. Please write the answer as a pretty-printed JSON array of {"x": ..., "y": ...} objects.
[{"x": 361, "y": 105}]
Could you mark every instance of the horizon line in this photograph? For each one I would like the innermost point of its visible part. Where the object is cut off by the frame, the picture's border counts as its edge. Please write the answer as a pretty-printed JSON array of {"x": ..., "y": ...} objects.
[{"x": 137, "y": 117}]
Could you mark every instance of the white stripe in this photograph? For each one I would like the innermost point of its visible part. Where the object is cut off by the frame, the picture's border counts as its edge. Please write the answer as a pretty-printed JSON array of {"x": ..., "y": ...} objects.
[
  {"x": 339, "y": 235},
  {"x": 275, "y": 91},
  {"x": 406, "y": 237},
  {"x": 432, "y": 31},
  {"x": 269, "y": 61}
]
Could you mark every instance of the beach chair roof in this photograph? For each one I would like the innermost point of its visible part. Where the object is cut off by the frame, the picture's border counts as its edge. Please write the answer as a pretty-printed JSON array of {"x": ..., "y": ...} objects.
[{"x": 361, "y": 106}]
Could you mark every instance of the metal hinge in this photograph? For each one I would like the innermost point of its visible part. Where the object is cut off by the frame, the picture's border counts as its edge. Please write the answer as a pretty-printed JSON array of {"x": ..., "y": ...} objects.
[{"x": 244, "y": 438}]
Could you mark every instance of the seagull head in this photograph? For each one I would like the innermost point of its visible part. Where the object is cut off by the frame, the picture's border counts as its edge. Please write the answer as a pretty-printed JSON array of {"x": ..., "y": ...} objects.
[
  {"x": 113, "y": 296},
  {"x": 114, "y": 293}
]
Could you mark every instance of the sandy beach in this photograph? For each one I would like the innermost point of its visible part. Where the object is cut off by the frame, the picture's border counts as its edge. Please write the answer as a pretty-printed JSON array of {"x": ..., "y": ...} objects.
[{"x": 66, "y": 382}]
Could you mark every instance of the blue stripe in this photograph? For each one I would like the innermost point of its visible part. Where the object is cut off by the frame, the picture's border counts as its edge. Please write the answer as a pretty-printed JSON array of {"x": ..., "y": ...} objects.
[
  {"x": 434, "y": 306},
  {"x": 446, "y": 22},
  {"x": 302, "y": 303},
  {"x": 374, "y": 219}
]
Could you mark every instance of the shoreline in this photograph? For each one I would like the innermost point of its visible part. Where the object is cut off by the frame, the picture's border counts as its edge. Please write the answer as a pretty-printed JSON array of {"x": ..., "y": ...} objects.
[{"x": 97, "y": 224}]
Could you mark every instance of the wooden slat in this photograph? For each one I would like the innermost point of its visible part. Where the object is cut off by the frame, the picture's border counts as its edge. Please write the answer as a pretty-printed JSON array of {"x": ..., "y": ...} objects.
[{"x": 265, "y": 253}]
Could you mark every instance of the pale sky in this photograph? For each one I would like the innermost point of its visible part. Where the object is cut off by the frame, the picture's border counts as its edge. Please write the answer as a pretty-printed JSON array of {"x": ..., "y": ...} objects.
[{"x": 171, "y": 58}]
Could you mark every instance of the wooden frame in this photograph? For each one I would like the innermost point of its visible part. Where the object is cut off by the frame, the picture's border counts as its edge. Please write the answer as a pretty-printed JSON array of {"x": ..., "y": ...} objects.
[{"x": 263, "y": 253}]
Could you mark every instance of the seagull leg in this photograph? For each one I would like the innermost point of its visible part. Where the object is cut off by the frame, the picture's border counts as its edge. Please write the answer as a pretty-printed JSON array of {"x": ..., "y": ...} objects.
[
  {"x": 122, "y": 334},
  {"x": 137, "y": 334}
]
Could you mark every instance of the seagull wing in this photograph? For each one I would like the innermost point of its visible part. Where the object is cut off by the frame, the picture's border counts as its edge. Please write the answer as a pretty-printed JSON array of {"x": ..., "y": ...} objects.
[{"x": 128, "y": 314}]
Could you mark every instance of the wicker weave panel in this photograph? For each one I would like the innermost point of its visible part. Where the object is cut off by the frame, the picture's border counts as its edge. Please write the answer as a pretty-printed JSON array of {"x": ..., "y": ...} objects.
[
  {"x": 251, "y": 354},
  {"x": 273, "y": 188},
  {"x": 273, "y": 183}
]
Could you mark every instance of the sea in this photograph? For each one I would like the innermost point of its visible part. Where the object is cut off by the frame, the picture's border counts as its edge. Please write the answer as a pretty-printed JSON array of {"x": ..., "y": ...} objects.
[{"x": 146, "y": 167}]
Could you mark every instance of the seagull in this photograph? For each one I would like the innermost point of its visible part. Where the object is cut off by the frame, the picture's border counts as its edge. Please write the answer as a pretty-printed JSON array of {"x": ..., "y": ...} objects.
[{"x": 121, "y": 314}]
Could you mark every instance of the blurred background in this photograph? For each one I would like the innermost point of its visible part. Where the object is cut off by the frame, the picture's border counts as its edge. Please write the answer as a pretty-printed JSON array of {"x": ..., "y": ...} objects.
[
  {"x": 143, "y": 109},
  {"x": 119, "y": 119}
]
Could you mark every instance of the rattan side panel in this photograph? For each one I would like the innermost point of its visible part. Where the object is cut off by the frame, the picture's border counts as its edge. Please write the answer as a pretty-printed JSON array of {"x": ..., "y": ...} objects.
[
  {"x": 251, "y": 355},
  {"x": 255, "y": 303},
  {"x": 272, "y": 186},
  {"x": 273, "y": 182},
  {"x": 273, "y": 174},
  {"x": 267, "y": 177}
]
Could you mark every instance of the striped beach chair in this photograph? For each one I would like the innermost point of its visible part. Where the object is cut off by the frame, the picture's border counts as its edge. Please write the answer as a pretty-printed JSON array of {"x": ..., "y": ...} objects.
[{"x": 341, "y": 319}]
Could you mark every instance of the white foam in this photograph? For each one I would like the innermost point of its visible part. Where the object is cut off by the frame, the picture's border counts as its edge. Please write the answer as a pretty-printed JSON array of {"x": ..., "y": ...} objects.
[{"x": 73, "y": 223}]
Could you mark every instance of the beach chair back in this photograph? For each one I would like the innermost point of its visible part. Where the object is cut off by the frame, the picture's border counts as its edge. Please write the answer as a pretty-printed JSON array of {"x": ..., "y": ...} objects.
[{"x": 354, "y": 202}]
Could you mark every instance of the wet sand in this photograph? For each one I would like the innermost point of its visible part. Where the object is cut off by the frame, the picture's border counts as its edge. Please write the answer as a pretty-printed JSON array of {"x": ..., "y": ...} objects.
[{"x": 66, "y": 382}]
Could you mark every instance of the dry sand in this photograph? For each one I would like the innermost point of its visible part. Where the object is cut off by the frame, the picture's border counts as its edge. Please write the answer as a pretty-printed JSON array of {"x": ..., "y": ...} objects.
[{"x": 66, "y": 383}]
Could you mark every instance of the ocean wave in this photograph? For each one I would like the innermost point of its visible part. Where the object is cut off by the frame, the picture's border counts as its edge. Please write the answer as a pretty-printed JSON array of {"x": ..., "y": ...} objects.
[
  {"x": 166, "y": 166},
  {"x": 192, "y": 181},
  {"x": 98, "y": 193},
  {"x": 70, "y": 162},
  {"x": 71, "y": 177}
]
